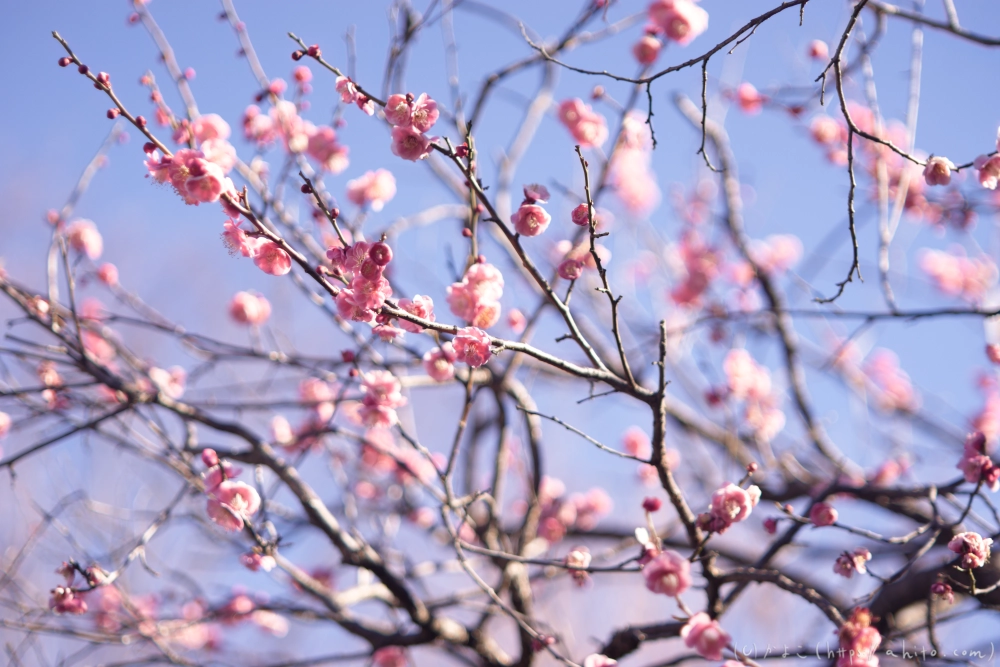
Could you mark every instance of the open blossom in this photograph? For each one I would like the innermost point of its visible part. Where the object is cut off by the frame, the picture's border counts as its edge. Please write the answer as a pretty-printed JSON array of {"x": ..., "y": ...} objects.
[
  {"x": 732, "y": 504},
  {"x": 210, "y": 126},
  {"x": 892, "y": 385},
  {"x": 249, "y": 308},
  {"x": 230, "y": 503},
  {"x": 419, "y": 306},
  {"x": 322, "y": 146},
  {"x": 409, "y": 144},
  {"x": 680, "y": 20},
  {"x": 938, "y": 171},
  {"x": 825, "y": 130},
  {"x": 65, "y": 600},
  {"x": 373, "y": 189},
  {"x": 398, "y": 110},
  {"x": 169, "y": 382},
  {"x": 472, "y": 345},
  {"x": 237, "y": 241},
  {"x": 823, "y": 514},
  {"x": 579, "y": 557},
  {"x": 84, "y": 238},
  {"x": 668, "y": 573},
  {"x": 972, "y": 547},
  {"x": 270, "y": 258},
  {"x": 107, "y": 273},
  {"x": 705, "y": 636},
  {"x": 382, "y": 397},
  {"x": 424, "y": 113},
  {"x": 589, "y": 129},
  {"x": 440, "y": 362},
  {"x": 530, "y": 220},
  {"x": 849, "y": 563},
  {"x": 859, "y": 640}
]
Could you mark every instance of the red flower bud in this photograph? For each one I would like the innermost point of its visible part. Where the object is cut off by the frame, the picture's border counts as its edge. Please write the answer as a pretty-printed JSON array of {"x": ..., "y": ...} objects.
[{"x": 64, "y": 61}]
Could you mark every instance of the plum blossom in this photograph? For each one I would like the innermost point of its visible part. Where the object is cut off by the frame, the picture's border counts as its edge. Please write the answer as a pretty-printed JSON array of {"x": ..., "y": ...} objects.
[
  {"x": 822, "y": 514},
  {"x": 958, "y": 275},
  {"x": 668, "y": 573},
  {"x": 976, "y": 465},
  {"x": 66, "y": 600},
  {"x": 579, "y": 558},
  {"x": 472, "y": 345},
  {"x": 84, "y": 238},
  {"x": 859, "y": 640},
  {"x": 589, "y": 129},
  {"x": 349, "y": 94},
  {"x": 598, "y": 660},
  {"x": 972, "y": 547},
  {"x": 989, "y": 170},
  {"x": 373, "y": 189},
  {"x": 231, "y": 503},
  {"x": 631, "y": 174},
  {"x": 818, "y": 50},
  {"x": 647, "y": 49},
  {"x": 323, "y": 147},
  {"x": 749, "y": 100},
  {"x": 848, "y": 563},
  {"x": 249, "y": 308},
  {"x": 398, "y": 109},
  {"x": 389, "y": 656},
  {"x": 890, "y": 383},
  {"x": 477, "y": 298},
  {"x": 440, "y": 362},
  {"x": 409, "y": 144},
  {"x": 705, "y": 636},
  {"x": 680, "y": 20},
  {"x": 271, "y": 258},
  {"x": 382, "y": 397},
  {"x": 169, "y": 382},
  {"x": 254, "y": 561},
  {"x": 938, "y": 171},
  {"x": 940, "y": 589},
  {"x": 730, "y": 504},
  {"x": 419, "y": 306}
]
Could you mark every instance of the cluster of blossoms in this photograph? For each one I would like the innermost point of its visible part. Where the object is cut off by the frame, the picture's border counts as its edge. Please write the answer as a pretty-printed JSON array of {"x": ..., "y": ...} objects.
[
  {"x": 249, "y": 308},
  {"x": 730, "y": 504},
  {"x": 976, "y": 464},
  {"x": 373, "y": 189},
  {"x": 698, "y": 264},
  {"x": 382, "y": 397},
  {"x": 194, "y": 177},
  {"x": 267, "y": 255},
  {"x": 880, "y": 375},
  {"x": 297, "y": 135},
  {"x": 850, "y": 562},
  {"x": 363, "y": 264},
  {"x": 750, "y": 382},
  {"x": 973, "y": 548},
  {"x": 230, "y": 503},
  {"x": 477, "y": 298},
  {"x": 859, "y": 640},
  {"x": 381, "y": 455},
  {"x": 411, "y": 118},
  {"x": 589, "y": 128},
  {"x": 530, "y": 219},
  {"x": 67, "y": 599},
  {"x": 561, "y": 512},
  {"x": 957, "y": 275}
]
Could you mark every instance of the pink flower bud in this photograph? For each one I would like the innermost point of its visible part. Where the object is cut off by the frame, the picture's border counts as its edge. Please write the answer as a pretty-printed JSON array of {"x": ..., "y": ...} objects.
[
  {"x": 209, "y": 457},
  {"x": 647, "y": 49},
  {"x": 652, "y": 504},
  {"x": 818, "y": 50},
  {"x": 380, "y": 253},
  {"x": 581, "y": 215},
  {"x": 113, "y": 113},
  {"x": 938, "y": 171},
  {"x": 823, "y": 514}
]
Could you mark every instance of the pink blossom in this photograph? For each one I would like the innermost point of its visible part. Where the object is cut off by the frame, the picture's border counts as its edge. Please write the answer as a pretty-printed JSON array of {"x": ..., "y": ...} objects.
[
  {"x": 270, "y": 258},
  {"x": 107, "y": 273},
  {"x": 254, "y": 561},
  {"x": 398, "y": 110},
  {"x": 746, "y": 378},
  {"x": 849, "y": 563},
  {"x": 210, "y": 126},
  {"x": 5, "y": 422},
  {"x": 680, "y": 20},
  {"x": 825, "y": 130},
  {"x": 636, "y": 442},
  {"x": 84, "y": 238},
  {"x": 249, "y": 308},
  {"x": 777, "y": 253},
  {"x": 348, "y": 91},
  {"x": 823, "y": 514},
  {"x": 570, "y": 269},
  {"x": 221, "y": 153},
  {"x": 578, "y": 559},
  {"x": 65, "y": 600},
  {"x": 203, "y": 183},
  {"x": 818, "y": 50},
  {"x": 647, "y": 49},
  {"x": 516, "y": 321},
  {"x": 938, "y": 171},
  {"x": 323, "y": 147},
  {"x": 424, "y": 113},
  {"x": 732, "y": 504},
  {"x": 989, "y": 170},
  {"x": 892, "y": 385},
  {"x": 420, "y": 306},
  {"x": 957, "y": 275},
  {"x": 598, "y": 660},
  {"x": 591, "y": 507},
  {"x": 973, "y": 547},
  {"x": 976, "y": 465},
  {"x": 993, "y": 352},
  {"x": 472, "y": 346},
  {"x": 588, "y": 128},
  {"x": 169, "y": 382},
  {"x": 701, "y": 264},
  {"x": 373, "y": 189},
  {"x": 859, "y": 640},
  {"x": 581, "y": 215},
  {"x": 668, "y": 573},
  {"x": 940, "y": 589},
  {"x": 409, "y": 144},
  {"x": 389, "y": 656},
  {"x": 230, "y": 503},
  {"x": 440, "y": 362},
  {"x": 237, "y": 241},
  {"x": 477, "y": 298},
  {"x": 749, "y": 100},
  {"x": 705, "y": 636},
  {"x": 770, "y": 525},
  {"x": 382, "y": 397}
]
